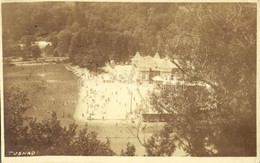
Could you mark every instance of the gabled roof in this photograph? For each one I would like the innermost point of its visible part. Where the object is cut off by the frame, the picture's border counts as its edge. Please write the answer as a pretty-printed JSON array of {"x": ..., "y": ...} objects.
[
  {"x": 148, "y": 57},
  {"x": 137, "y": 56},
  {"x": 157, "y": 56},
  {"x": 154, "y": 63},
  {"x": 158, "y": 60},
  {"x": 167, "y": 64},
  {"x": 146, "y": 62}
]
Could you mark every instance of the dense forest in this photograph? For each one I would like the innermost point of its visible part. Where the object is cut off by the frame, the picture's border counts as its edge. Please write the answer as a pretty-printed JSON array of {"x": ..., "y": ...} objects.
[
  {"x": 83, "y": 30},
  {"x": 218, "y": 39},
  {"x": 95, "y": 32}
]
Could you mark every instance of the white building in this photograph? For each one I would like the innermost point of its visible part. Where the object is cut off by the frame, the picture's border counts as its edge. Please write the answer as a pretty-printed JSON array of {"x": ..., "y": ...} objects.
[{"x": 145, "y": 68}]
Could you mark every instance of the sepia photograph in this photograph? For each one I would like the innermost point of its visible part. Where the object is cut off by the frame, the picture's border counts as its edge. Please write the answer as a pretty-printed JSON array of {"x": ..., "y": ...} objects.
[{"x": 142, "y": 79}]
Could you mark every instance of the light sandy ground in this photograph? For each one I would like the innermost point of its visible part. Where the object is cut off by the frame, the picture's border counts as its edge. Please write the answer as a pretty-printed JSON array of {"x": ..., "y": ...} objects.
[
  {"x": 107, "y": 100},
  {"x": 109, "y": 105}
]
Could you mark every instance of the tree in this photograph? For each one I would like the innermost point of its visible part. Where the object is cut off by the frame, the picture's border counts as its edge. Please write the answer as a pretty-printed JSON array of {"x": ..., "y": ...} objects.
[
  {"x": 195, "y": 118},
  {"x": 48, "y": 136},
  {"x": 86, "y": 144},
  {"x": 28, "y": 41},
  {"x": 64, "y": 40},
  {"x": 160, "y": 144},
  {"x": 16, "y": 104},
  {"x": 74, "y": 47},
  {"x": 11, "y": 50},
  {"x": 129, "y": 151},
  {"x": 221, "y": 51},
  {"x": 36, "y": 51}
]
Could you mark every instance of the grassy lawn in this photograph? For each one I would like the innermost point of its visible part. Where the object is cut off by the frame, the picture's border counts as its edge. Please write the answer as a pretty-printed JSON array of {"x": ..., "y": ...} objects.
[{"x": 50, "y": 88}]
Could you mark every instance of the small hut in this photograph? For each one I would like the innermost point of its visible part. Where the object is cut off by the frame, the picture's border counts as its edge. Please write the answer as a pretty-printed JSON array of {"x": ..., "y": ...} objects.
[{"x": 158, "y": 81}]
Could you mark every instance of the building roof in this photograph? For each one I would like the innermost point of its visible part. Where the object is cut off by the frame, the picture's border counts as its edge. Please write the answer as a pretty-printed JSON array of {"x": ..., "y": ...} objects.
[
  {"x": 42, "y": 44},
  {"x": 158, "y": 60},
  {"x": 154, "y": 63},
  {"x": 157, "y": 78},
  {"x": 157, "y": 56},
  {"x": 146, "y": 62},
  {"x": 167, "y": 64},
  {"x": 137, "y": 56}
]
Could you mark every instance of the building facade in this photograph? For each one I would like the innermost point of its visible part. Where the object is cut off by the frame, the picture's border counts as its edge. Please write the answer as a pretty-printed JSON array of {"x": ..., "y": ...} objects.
[{"x": 146, "y": 68}]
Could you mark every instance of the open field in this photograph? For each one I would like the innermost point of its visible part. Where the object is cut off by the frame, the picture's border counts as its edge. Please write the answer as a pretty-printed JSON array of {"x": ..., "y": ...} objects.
[{"x": 50, "y": 88}]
